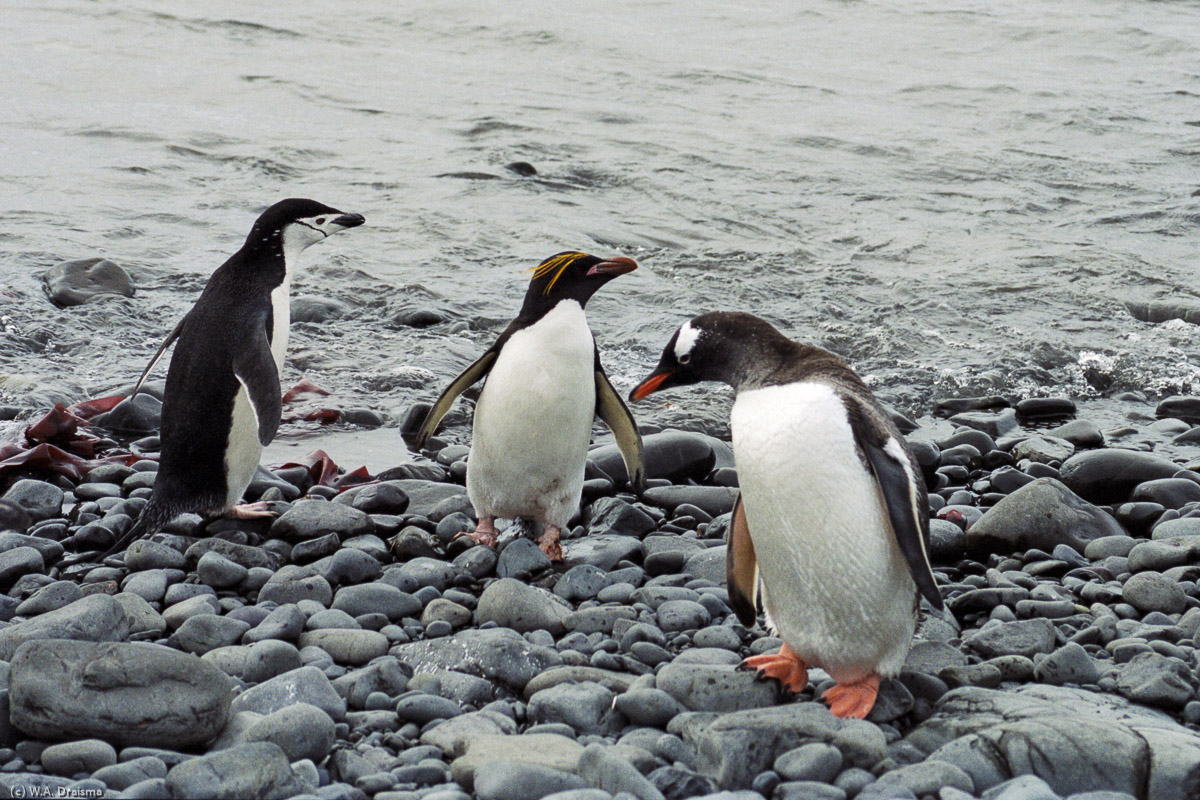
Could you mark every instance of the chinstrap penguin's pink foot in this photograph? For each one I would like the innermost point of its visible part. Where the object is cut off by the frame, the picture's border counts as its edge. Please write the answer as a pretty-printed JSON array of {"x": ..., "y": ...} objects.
[
  {"x": 485, "y": 532},
  {"x": 259, "y": 510},
  {"x": 549, "y": 543},
  {"x": 853, "y": 700},
  {"x": 784, "y": 666}
]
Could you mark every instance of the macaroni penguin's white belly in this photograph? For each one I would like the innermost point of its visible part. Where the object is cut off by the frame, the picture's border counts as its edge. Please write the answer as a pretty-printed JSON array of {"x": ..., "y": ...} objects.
[
  {"x": 835, "y": 585},
  {"x": 533, "y": 421}
]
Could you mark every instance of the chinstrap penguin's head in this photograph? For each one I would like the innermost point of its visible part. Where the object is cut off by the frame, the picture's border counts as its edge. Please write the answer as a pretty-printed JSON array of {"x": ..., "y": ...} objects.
[
  {"x": 571, "y": 276},
  {"x": 294, "y": 224},
  {"x": 727, "y": 346}
]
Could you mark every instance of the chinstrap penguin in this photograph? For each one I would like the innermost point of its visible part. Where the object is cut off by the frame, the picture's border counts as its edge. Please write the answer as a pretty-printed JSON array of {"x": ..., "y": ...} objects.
[
  {"x": 222, "y": 403},
  {"x": 833, "y": 512},
  {"x": 533, "y": 419}
]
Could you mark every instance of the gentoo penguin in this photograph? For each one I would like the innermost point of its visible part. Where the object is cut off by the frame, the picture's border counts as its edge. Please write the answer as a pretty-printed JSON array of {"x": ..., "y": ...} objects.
[
  {"x": 222, "y": 402},
  {"x": 833, "y": 514},
  {"x": 533, "y": 420}
]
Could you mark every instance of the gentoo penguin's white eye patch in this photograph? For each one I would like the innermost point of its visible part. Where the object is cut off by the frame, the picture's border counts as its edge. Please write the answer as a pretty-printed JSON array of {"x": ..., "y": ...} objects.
[{"x": 684, "y": 342}]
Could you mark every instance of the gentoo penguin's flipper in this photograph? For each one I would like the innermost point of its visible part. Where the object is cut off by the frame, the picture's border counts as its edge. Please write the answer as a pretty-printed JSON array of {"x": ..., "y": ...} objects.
[
  {"x": 255, "y": 369},
  {"x": 903, "y": 496},
  {"x": 464, "y": 381},
  {"x": 612, "y": 409},
  {"x": 162, "y": 348},
  {"x": 741, "y": 567}
]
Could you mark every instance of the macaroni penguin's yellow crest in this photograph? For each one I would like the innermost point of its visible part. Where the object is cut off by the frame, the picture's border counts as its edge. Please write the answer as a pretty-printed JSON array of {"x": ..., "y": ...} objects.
[{"x": 558, "y": 265}]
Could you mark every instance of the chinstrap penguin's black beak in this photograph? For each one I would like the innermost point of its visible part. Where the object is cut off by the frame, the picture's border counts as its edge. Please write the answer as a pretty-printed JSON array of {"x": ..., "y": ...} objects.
[
  {"x": 350, "y": 220},
  {"x": 613, "y": 267}
]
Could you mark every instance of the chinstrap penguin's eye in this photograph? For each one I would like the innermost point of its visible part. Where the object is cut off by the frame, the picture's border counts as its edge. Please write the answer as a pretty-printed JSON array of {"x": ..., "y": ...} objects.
[{"x": 320, "y": 220}]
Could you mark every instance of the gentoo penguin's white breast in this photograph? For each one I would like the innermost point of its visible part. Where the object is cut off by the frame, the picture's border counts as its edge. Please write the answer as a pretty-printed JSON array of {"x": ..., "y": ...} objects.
[
  {"x": 835, "y": 584},
  {"x": 534, "y": 419}
]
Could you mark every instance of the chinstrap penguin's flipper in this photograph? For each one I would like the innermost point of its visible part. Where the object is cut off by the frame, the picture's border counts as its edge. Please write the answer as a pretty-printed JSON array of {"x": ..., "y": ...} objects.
[
  {"x": 162, "y": 349},
  {"x": 466, "y": 379},
  {"x": 254, "y": 367},
  {"x": 741, "y": 567},
  {"x": 616, "y": 415},
  {"x": 903, "y": 498}
]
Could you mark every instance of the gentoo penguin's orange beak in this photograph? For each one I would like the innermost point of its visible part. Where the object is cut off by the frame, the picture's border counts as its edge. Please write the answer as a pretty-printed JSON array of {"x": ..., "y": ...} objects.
[
  {"x": 613, "y": 267},
  {"x": 649, "y": 386}
]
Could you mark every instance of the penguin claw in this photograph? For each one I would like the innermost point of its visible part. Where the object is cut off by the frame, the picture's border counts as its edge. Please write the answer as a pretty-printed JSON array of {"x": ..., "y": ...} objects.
[
  {"x": 784, "y": 666},
  {"x": 853, "y": 700}
]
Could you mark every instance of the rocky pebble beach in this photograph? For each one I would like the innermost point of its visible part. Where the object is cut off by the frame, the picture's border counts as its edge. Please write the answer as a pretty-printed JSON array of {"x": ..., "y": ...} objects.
[{"x": 351, "y": 647}]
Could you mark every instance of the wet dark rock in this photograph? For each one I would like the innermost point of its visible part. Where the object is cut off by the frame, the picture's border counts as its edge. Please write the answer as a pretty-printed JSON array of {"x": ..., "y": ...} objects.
[
  {"x": 84, "y": 755},
  {"x": 512, "y": 604},
  {"x": 306, "y": 308},
  {"x": 291, "y": 584},
  {"x": 285, "y": 622},
  {"x": 674, "y": 455},
  {"x": 50, "y": 597},
  {"x": 1043, "y": 408},
  {"x": 1080, "y": 432},
  {"x": 603, "y": 550},
  {"x": 307, "y": 519},
  {"x": 1110, "y": 476},
  {"x": 1068, "y": 664},
  {"x": 994, "y": 424},
  {"x": 715, "y": 687},
  {"x": 1167, "y": 492},
  {"x": 1042, "y": 515},
  {"x": 1043, "y": 449},
  {"x": 586, "y": 707},
  {"x": 1186, "y": 408},
  {"x": 96, "y": 618},
  {"x": 614, "y": 515},
  {"x": 514, "y": 780},
  {"x": 305, "y": 685},
  {"x": 1157, "y": 680},
  {"x": 1153, "y": 591},
  {"x": 1073, "y": 739},
  {"x": 713, "y": 500},
  {"x": 521, "y": 558},
  {"x": 73, "y": 283},
  {"x": 203, "y": 632},
  {"x": 253, "y": 769},
  {"x": 1024, "y": 637},
  {"x": 378, "y": 498},
  {"x": 603, "y": 767},
  {"x": 38, "y": 499},
  {"x": 498, "y": 654},
  {"x": 142, "y": 414},
  {"x": 376, "y": 597},
  {"x": 949, "y": 406},
  {"x": 300, "y": 730},
  {"x": 130, "y": 693}
]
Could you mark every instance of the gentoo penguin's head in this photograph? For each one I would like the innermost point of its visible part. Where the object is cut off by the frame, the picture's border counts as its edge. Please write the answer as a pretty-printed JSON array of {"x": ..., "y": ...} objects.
[
  {"x": 292, "y": 225},
  {"x": 571, "y": 276},
  {"x": 725, "y": 346}
]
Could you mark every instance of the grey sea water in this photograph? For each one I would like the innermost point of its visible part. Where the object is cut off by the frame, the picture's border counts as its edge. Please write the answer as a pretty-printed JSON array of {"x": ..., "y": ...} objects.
[{"x": 958, "y": 197}]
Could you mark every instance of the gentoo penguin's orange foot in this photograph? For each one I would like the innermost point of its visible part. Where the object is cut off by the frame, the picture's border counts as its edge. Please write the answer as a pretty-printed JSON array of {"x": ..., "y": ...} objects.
[
  {"x": 485, "y": 532},
  {"x": 853, "y": 700},
  {"x": 784, "y": 666},
  {"x": 549, "y": 543},
  {"x": 259, "y": 510}
]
